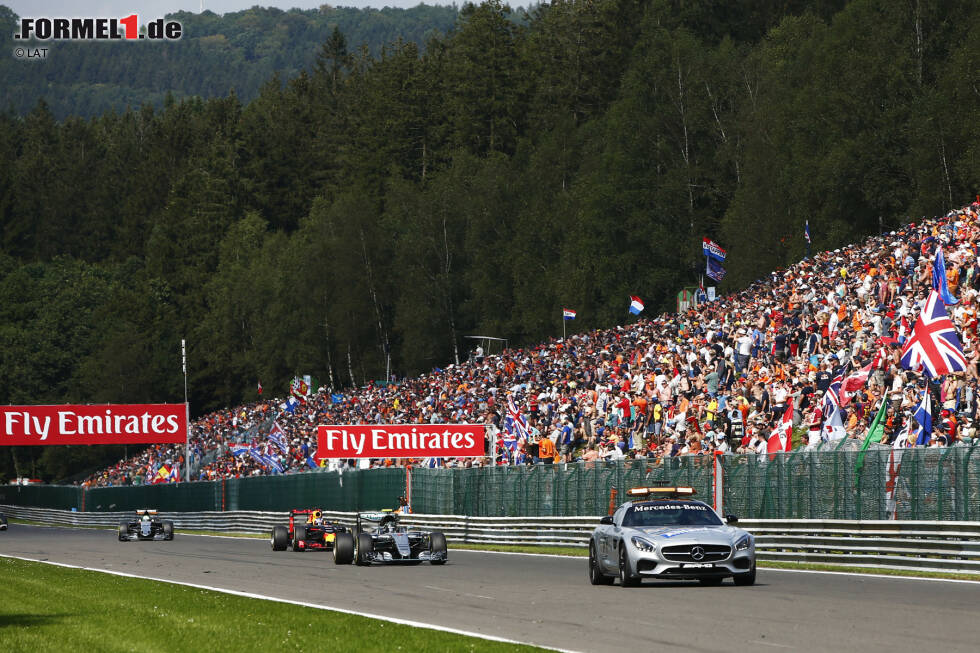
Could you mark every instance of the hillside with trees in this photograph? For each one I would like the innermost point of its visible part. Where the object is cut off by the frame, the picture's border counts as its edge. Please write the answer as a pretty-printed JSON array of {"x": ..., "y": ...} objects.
[
  {"x": 237, "y": 52},
  {"x": 387, "y": 204}
]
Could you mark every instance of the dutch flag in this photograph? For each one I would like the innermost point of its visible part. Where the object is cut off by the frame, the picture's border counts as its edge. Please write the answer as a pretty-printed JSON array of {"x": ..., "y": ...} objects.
[
  {"x": 636, "y": 305},
  {"x": 568, "y": 314}
]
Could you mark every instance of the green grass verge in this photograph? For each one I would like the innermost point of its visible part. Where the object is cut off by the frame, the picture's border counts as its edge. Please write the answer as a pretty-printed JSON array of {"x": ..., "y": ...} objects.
[{"x": 55, "y": 608}]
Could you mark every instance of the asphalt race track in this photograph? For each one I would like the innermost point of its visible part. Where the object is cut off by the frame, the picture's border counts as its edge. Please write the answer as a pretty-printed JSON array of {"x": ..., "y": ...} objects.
[{"x": 548, "y": 600}]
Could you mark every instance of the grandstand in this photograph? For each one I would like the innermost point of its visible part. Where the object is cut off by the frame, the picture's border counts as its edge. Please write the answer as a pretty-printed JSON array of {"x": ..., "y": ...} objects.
[{"x": 816, "y": 348}]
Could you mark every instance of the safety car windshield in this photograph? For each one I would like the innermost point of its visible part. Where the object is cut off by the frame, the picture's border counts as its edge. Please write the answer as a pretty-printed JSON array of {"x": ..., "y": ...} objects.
[{"x": 670, "y": 513}]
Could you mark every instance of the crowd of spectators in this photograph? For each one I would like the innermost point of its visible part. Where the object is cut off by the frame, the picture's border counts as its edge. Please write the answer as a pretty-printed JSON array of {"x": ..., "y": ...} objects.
[{"x": 717, "y": 377}]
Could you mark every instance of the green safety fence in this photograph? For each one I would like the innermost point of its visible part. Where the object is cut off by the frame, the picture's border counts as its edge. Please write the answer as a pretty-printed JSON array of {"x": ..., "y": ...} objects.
[{"x": 923, "y": 484}]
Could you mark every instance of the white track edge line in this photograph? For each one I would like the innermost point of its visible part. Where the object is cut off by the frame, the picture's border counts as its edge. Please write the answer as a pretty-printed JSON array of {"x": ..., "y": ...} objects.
[{"x": 316, "y": 606}]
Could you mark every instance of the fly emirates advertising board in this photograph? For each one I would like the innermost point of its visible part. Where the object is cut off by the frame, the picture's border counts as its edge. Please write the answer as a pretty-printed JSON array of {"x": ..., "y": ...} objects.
[
  {"x": 101, "y": 424},
  {"x": 401, "y": 441}
]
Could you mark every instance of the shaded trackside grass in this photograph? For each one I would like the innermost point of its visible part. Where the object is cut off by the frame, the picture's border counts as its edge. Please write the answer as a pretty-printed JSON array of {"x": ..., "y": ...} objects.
[
  {"x": 47, "y": 608},
  {"x": 573, "y": 551}
]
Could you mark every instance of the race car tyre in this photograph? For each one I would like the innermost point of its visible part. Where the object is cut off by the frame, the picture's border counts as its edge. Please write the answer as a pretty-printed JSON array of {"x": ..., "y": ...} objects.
[
  {"x": 365, "y": 545},
  {"x": 596, "y": 577},
  {"x": 3, "y": 522},
  {"x": 437, "y": 544},
  {"x": 713, "y": 581},
  {"x": 168, "y": 530},
  {"x": 124, "y": 532},
  {"x": 280, "y": 538},
  {"x": 626, "y": 577},
  {"x": 299, "y": 535},
  {"x": 747, "y": 578},
  {"x": 343, "y": 549}
]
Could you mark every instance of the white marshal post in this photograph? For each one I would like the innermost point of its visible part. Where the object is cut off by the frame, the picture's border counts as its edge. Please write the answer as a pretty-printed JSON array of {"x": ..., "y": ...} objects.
[
  {"x": 718, "y": 484},
  {"x": 187, "y": 414}
]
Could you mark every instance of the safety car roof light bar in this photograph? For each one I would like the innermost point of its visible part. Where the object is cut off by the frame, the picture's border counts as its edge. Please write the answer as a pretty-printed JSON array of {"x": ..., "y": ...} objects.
[{"x": 660, "y": 492}]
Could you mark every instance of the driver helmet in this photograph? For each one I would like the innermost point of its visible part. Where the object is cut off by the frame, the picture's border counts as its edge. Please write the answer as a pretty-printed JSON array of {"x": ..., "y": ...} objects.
[{"x": 316, "y": 517}]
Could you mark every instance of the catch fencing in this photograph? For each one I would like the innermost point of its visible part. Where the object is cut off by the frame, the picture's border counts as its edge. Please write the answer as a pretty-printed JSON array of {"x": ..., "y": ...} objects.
[
  {"x": 925, "y": 546},
  {"x": 940, "y": 484}
]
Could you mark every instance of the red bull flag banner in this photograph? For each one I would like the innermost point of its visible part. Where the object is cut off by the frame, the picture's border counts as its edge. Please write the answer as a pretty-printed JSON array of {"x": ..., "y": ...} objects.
[
  {"x": 401, "y": 441},
  {"x": 98, "y": 424}
]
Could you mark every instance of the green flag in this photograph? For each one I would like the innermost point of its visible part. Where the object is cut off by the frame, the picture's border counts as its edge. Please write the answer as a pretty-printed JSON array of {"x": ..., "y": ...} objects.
[{"x": 875, "y": 434}]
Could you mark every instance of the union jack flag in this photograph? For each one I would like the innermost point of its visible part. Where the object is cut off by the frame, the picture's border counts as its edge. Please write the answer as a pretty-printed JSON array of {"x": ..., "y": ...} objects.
[
  {"x": 517, "y": 424},
  {"x": 934, "y": 345},
  {"x": 833, "y": 422}
]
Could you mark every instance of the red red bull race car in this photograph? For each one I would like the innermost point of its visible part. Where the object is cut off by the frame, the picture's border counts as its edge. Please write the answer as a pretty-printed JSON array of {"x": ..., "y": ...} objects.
[{"x": 307, "y": 530}]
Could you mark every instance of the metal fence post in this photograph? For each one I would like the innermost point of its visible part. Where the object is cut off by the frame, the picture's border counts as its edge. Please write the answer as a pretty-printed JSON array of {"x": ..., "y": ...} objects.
[
  {"x": 966, "y": 481},
  {"x": 940, "y": 484},
  {"x": 914, "y": 484}
]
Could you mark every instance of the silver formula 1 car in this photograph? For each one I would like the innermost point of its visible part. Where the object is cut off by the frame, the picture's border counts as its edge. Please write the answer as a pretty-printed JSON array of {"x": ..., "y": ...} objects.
[
  {"x": 146, "y": 526},
  {"x": 662, "y": 533},
  {"x": 388, "y": 542}
]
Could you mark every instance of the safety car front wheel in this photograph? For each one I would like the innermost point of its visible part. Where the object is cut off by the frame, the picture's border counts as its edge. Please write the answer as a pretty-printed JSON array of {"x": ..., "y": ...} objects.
[
  {"x": 626, "y": 577},
  {"x": 596, "y": 577},
  {"x": 747, "y": 578}
]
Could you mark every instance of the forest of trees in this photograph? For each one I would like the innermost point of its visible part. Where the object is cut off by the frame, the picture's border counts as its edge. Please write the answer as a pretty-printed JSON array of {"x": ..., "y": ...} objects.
[
  {"x": 473, "y": 183},
  {"x": 216, "y": 55}
]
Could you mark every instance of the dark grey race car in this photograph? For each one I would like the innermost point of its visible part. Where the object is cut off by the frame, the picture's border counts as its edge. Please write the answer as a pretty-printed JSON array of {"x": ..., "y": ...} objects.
[
  {"x": 388, "y": 542},
  {"x": 146, "y": 526}
]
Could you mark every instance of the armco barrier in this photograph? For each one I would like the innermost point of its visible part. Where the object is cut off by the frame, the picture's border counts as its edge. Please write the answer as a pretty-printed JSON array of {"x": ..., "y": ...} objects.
[{"x": 933, "y": 546}]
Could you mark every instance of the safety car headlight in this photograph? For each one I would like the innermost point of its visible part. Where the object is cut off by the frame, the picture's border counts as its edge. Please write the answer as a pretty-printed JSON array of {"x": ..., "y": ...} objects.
[
  {"x": 744, "y": 543},
  {"x": 644, "y": 545}
]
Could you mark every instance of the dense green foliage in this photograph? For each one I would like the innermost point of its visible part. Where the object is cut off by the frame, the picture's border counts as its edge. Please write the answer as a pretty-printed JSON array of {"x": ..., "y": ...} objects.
[
  {"x": 216, "y": 55},
  {"x": 392, "y": 204}
]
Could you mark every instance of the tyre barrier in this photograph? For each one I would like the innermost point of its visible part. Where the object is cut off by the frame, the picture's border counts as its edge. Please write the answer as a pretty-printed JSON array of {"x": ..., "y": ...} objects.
[{"x": 924, "y": 546}]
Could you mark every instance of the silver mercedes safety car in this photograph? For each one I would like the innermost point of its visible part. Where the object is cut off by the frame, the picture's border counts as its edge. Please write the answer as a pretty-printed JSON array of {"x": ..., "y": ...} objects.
[{"x": 662, "y": 533}]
